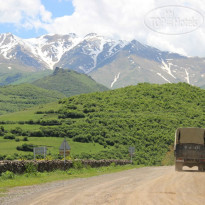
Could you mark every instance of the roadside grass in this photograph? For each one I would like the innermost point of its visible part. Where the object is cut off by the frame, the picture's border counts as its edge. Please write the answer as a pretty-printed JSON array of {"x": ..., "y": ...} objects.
[
  {"x": 169, "y": 157},
  {"x": 40, "y": 178},
  {"x": 8, "y": 146}
]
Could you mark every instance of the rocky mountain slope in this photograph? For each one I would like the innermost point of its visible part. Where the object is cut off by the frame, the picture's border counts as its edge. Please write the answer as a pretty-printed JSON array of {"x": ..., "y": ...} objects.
[{"x": 113, "y": 63}]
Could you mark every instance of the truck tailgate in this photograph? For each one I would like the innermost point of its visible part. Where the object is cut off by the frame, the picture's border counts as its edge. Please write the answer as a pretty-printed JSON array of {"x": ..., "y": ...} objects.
[{"x": 190, "y": 151}]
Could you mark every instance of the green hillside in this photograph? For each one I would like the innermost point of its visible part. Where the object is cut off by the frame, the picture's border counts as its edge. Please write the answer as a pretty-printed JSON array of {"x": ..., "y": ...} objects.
[
  {"x": 145, "y": 116},
  {"x": 69, "y": 82},
  {"x": 18, "y": 97},
  {"x": 16, "y": 76}
]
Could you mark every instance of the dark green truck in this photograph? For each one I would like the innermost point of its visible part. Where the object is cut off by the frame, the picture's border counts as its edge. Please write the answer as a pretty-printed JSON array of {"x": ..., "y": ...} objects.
[{"x": 189, "y": 148}]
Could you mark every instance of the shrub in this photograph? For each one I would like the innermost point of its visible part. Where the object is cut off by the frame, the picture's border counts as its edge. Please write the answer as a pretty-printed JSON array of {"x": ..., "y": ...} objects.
[
  {"x": 72, "y": 107},
  {"x": 169, "y": 157},
  {"x": 17, "y": 130},
  {"x": 31, "y": 168},
  {"x": 86, "y": 110},
  {"x": 9, "y": 157},
  {"x": 31, "y": 122},
  {"x": 36, "y": 133},
  {"x": 49, "y": 122},
  {"x": 50, "y": 111},
  {"x": 25, "y": 147},
  {"x": 9, "y": 136},
  {"x": 7, "y": 175},
  {"x": 68, "y": 121},
  {"x": 2, "y": 157},
  {"x": 68, "y": 114},
  {"x": 25, "y": 139},
  {"x": 2, "y": 131},
  {"x": 77, "y": 164},
  {"x": 25, "y": 133},
  {"x": 39, "y": 112},
  {"x": 17, "y": 139},
  {"x": 113, "y": 164}
]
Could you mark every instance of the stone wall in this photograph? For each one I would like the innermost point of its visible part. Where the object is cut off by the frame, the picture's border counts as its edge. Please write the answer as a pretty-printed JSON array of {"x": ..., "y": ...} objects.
[{"x": 51, "y": 165}]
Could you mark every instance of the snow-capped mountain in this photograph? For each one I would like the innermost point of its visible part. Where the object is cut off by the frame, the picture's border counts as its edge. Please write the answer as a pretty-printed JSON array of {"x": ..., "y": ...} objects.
[
  {"x": 114, "y": 63},
  {"x": 15, "y": 51},
  {"x": 50, "y": 48},
  {"x": 91, "y": 52},
  {"x": 39, "y": 53}
]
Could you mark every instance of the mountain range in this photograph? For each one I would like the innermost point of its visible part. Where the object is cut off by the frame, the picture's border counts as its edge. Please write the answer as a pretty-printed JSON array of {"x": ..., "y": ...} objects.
[{"x": 113, "y": 63}]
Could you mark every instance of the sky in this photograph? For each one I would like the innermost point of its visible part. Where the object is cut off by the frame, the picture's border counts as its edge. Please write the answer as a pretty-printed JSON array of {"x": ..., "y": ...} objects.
[{"x": 172, "y": 25}]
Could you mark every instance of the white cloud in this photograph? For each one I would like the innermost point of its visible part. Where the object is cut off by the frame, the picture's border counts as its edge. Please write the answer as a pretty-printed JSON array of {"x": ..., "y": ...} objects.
[
  {"x": 29, "y": 13},
  {"x": 122, "y": 18},
  {"x": 125, "y": 19}
]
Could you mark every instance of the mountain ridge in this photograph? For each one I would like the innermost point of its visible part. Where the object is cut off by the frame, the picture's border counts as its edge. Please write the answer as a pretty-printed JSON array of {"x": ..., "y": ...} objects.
[
  {"x": 55, "y": 47},
  {"x": 113, "y": 63}
]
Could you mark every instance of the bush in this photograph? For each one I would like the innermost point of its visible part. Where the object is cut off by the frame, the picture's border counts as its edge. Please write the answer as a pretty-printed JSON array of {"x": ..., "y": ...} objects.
[
  {"x": 25, "y": 139},
  {"x": 9, "y": 136},
  {"x": 169, "y": 157},
  {"x": 68, "y": 114},
  {"x": 7, "y": 175},
  {"x": 77, "y": 164},
  {"x": 25, "y": 147},
  {"x": 86, "y": 110},
  {"x": 45, "y": 112},
  {"x": 17, "y": 131},
  {"x": 49, "y": 122},
  {"x": 2, "y": 131},
  {"x": 39, "y": 112},
  {"x": 31, "y": 122},
  {"x": 31, "y": 168},
  {"x": 2, "y": 157},
  {"x": 9, "y": 157},
  {"x": 50, "y": 132},
  {"x": 49, "y": 111},
  {"x": 36, "y": 133},
  {"x": 113, "y": 164}
]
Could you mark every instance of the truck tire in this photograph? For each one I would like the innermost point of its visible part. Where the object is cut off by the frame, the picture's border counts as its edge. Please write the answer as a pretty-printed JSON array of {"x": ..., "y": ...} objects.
[
  {"x": 178, "y": 166},
  {"x": 201, "y": 167}
]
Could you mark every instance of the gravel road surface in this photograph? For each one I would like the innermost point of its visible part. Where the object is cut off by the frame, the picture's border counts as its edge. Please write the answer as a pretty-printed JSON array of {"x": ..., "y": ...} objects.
[{"x": 143, "y": 186}]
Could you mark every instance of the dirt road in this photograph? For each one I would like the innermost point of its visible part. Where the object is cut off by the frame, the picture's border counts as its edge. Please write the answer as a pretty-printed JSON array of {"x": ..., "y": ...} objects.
[{"x": 149, "y": 185}]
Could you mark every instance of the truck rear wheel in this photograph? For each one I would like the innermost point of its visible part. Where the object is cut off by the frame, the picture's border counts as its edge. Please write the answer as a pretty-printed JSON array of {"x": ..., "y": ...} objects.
[
  {"x": 201, "y": 167},
  {"x": 178, "y": 166}
]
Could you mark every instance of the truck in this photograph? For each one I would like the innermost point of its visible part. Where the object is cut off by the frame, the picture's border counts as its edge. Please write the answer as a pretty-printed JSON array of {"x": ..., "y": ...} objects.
[{"x": 189, "y": 148}]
